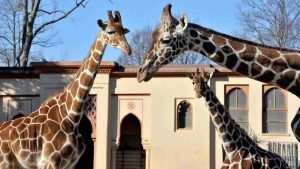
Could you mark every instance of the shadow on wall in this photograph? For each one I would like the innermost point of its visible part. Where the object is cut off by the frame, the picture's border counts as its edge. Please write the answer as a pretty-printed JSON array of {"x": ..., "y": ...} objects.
[{"x": 17, "y": 86}]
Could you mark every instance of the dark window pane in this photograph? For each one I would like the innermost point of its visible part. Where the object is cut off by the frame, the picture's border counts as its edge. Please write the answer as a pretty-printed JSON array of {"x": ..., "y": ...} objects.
[
  {"x": 269, "y": 102},
  {"x": 239, "y": 116},
  {"x": 184, "y": 112},
  {"x": 276, "y": 116},
  {"x": 232, "y": 102},
  {"x": 276, "y": 127},
  {"x": 242, "y": 102},
  {"x": 280, "y": 99}
]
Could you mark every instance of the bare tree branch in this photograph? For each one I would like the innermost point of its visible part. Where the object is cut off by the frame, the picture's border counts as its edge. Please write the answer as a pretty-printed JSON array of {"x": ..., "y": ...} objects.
[
  {"x": 78, "y": 4},
  {"x": 27, "y": 23},
  {"x": 273, "y": 22}
]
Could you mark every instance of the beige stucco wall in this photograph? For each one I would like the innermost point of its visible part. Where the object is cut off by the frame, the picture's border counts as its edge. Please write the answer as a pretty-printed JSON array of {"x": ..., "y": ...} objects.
[
  {"x": 168, "y": 148},
  {"x": 155, "y": 106}
]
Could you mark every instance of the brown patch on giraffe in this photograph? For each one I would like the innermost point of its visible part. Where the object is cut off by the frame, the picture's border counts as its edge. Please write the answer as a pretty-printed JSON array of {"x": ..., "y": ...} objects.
[
  {"x": 226, "y": 137},
  {"x": 69, "y": 101},
  {"x": 50, "y": 103},
  {"x": 99, "y": 46},
  {"x": 25, "y": 133},
  {"x": 49, "y": 128},
  {"x": 96, "y": 56},
  {"x": 43, "y": 110},
  {"x": 41, "y": 119},
  {"x": 27, "y": 120},
  {"x": 236, "y": 157},
  {"x": 81, "y": 93},
  {"x": 48, "y": 149},
  {"x": 76, "y": 107},
  {"x": 54, "y": 115},
  {"x": 5, "y": 125},
  {"x": 218, "y": 119},
  {"x": 21, "y": 127},
  {"x": 255, "y": 69},
  {"x": 248, "y": 54},
  {"x": 56, "y": 159},
  {"x": 208, "y": 47},
  {"x": 57, "y": 141},
  {"x": 266, "y": 77},
  {"x": 222, "y": 128},
  {"x": 67, "y": 151},
  {"x": 24, "y": 154},
  {"x": 237, "y": 46},
  {"x": 62, "y": 98},
  {"x": 270, "y": 53},
  {"x": 219, "y": 41},
  {"x": 67, "y": 126},
  {"x": 293, "y": 60},
  {"x": 286, "y": 79},
  {"x": 74, "y": 88},
  {"x": 5, "y": 148},
  {"x": 16, "y": 145},
  {"x": 16, "y": 122},
  {"x": 63, "y": 111},
  {"x": 92, "y": 66},
  {"x": 85, "y": 79},
  {"x": 227, "y": 49},
  {"x": 246, "y": 163},
  {"x": 230, "y": 147},
  {"x": 242, "y": 68},
  {"x": 86, "y": 63},
  {"x": 231, "y": 61},
  {"x": 263, "y": 60},
  {"x": 279, "y": 65},
  {"x": 235, "y": 166}
]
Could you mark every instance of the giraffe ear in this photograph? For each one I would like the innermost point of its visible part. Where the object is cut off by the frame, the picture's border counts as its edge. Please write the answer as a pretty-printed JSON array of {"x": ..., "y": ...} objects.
[
  {"x": 183, "y": 23},
  {"x": 101, "y": 24}
]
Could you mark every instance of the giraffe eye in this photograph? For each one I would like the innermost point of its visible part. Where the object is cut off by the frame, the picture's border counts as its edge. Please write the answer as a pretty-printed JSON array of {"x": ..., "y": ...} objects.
[
  {"x": 111, "y": 32},
  {"x": 193, "y": 83}
]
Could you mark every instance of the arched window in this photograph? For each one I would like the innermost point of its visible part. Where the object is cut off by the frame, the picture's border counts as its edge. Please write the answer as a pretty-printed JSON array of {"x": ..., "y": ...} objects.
[
  {"x": 274, "y": 111},
  {"x": 184, "y": 115},
  {"x": 236, "y": 103}
]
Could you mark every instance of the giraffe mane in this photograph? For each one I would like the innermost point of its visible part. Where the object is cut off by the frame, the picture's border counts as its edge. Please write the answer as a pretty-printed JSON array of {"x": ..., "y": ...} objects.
[{"x": 211, "y": 31}]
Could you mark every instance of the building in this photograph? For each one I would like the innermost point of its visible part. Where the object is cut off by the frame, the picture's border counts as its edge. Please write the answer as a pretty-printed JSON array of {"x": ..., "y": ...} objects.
[{"x": 159, "y": 124}]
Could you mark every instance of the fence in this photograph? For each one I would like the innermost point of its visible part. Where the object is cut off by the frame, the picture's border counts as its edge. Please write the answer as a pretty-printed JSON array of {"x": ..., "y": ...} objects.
[{"x": 288, "y": 151}]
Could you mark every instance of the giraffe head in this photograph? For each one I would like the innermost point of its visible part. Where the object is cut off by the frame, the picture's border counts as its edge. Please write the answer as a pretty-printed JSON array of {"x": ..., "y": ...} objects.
[
  {"x": 113, "y": 32},
  {"x": 199, "y": 79},
  {"x": 168, "y": 41}
]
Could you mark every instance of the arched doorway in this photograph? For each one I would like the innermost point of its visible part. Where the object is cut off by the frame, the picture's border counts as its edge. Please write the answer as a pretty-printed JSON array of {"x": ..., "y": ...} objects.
[{"x": 130, "y": 153}]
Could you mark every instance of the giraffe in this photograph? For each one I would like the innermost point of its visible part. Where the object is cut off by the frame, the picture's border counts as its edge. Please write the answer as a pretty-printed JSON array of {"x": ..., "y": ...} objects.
[
  {"x": 241, "y": 151},
  {"x": 272, "y": 65},
  {"x": 48, "y": 138}
]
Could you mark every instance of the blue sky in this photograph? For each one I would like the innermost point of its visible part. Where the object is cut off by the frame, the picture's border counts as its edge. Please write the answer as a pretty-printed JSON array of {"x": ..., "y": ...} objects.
[{"x": 79, "y": 31}]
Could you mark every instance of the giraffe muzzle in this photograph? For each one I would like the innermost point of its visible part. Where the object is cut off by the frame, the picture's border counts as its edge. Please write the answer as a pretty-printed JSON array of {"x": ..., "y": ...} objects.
[{"x": 143, "y": 75}]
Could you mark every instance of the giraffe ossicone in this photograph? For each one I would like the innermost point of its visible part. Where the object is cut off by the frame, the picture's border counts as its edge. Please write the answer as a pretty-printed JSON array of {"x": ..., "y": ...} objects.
[
  {"x": 272, "y": 65},
  {"x": 48, "y": 138},
  {"x": 241, "y": 151}
]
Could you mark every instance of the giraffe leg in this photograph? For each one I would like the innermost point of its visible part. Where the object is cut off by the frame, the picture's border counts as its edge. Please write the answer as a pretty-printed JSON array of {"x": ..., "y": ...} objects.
[{"x": 296, "y": 125}]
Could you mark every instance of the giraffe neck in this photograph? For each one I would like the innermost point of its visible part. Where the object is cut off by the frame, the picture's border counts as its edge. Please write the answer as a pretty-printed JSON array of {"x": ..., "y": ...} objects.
[
  {"x": 229, "y": 132},
  {"x": 262, "y": 63},
  {"x": 79, "y": 89}
]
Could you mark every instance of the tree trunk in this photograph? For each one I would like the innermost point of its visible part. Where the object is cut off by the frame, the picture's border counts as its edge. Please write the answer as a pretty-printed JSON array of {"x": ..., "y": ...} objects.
[{"x": 24, "y": 54}]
